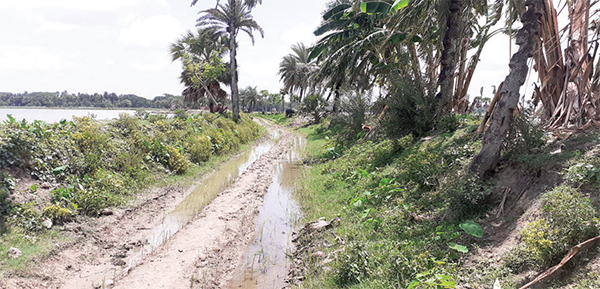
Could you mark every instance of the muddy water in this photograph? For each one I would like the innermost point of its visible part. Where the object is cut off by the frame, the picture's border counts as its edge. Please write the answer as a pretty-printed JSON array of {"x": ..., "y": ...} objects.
[
  {"x": 202, "y": 195},
  {"x": 265, "y": 261}
]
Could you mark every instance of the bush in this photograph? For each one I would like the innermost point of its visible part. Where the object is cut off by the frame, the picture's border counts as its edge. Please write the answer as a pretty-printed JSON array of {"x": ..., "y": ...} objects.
[
  {"x": 24, "y": 216},
  {"x": 91, "y": 202},
  {"x": 199, "y": 148},
  {"x": 467, "y": 195},
  {"x": 168, "y": 156},
  {"x": 176, "y": 161},
  {"x": 57, "y": 213},
  {"x": 524, "y": 135},
  {"x": 566, "y": 219},
  {"x": 180, "y": 114},
  {"x": 314, "y": 105},
  {"x": 352, "y": 117},
  {"x": 409, "y": 111},
  {"x": 353, "y": 266}
]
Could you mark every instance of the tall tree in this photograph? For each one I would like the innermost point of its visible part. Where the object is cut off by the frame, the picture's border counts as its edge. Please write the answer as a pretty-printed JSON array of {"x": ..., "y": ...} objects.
[
  {"x": 355, "y": 44},
  {"x": 527, "y": 39},
  {"x": 203, "y": 70},
  {"x": 229, "y": 19},
  {"x": 296, "y": 69}
]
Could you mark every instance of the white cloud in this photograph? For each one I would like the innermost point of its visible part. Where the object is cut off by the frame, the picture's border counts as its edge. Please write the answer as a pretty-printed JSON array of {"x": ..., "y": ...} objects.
[
  {"x": 30, "y": 58},
  {"x": 148, "y": 32},
  {"x": 301, "y": 32},
  {"x": 157, "y": 65},
  {"x": 57, "y": 27},
  {"x": 90, "y": 5}
]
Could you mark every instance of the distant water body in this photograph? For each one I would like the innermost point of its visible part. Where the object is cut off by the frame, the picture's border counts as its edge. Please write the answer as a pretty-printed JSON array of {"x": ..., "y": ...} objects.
[{"x": 55, "y": 115}]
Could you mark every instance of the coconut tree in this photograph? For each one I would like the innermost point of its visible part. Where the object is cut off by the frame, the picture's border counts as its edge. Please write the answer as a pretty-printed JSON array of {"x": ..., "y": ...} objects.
[
  {"x": 527, "y": 39},
  {"x": 354, "y": 44},
  {"x": 229, "y": 19},
  {"x": 296, "y": 69},
  {"x": 203, "y": 70}
]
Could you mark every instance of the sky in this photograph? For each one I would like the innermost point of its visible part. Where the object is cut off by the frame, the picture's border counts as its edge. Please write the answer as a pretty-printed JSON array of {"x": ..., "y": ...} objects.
[{"x": 122, "y": 46}]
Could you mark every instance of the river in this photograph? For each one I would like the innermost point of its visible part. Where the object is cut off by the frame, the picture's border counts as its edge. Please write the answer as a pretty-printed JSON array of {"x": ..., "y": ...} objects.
[{"x": 51, "y": 115}]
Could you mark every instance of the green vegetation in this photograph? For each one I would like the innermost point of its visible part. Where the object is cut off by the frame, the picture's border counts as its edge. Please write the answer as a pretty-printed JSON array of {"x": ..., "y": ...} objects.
[
  {"x": 104, "y": 100},
  {"x": 90, "y": 166},
  {"x": 393, "y": 198},
  {"x": 565, "y": 220},
  {"x": 411, "y": 213}
]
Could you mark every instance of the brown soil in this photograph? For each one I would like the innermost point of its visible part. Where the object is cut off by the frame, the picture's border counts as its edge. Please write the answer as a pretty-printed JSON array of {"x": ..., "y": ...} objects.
[{"x": 204, "y": 254}]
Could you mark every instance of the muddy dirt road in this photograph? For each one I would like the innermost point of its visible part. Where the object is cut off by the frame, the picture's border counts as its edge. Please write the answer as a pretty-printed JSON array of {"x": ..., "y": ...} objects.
[{"x": 166, "y": 241}]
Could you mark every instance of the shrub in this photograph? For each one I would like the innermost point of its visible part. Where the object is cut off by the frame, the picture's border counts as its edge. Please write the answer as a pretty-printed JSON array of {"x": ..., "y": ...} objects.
[
  {"x": 524, "y": 135},
  {"x": 352, "y": 116},
  {"x": 24, "y": 216},
  {"x": 353, "y": 266},
  {"x": 199, "y": 148},
  {"x": 448, "y": 123},
  {"x": 566, "y": 219},
  {"x": 466, "y": 193},
  {"x": 180, "y": 114},
  {"x": 176, "y": 161},
  {"x": 58, "y": 213},
  {"x": 409, "y": 111},
  {"x": 91, "y": 202},
  {"x": 315, "y": 106},
  {"x": 90, "y": 138}
]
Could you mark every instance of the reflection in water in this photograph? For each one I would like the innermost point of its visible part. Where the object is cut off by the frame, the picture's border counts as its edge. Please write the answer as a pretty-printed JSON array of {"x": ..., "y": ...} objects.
[
  {"x": 202, "y": 195},
  {"x": 266, "y": 263}
]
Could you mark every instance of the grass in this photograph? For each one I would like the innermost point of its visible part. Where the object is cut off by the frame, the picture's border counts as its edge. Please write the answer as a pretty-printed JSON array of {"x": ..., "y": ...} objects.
[
  {"x": 378, "y": 191},
  {"x": 401, "y": 202},
  {"x": 37, "y": 243},
  {"x": 278, "y": 118},
  {"x": 33, "y": 246}
]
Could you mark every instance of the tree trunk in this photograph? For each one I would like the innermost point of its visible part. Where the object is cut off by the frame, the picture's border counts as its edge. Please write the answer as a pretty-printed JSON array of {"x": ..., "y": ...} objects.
[
  {"x": 452, "y": 40},
  {"x": 527, "y": 39},
  {"x": 415, "y": 65},
  {"x": 235, "y": 97},
  {"x": 577, "y": 61},
  {"x": 336, "y": 97}
]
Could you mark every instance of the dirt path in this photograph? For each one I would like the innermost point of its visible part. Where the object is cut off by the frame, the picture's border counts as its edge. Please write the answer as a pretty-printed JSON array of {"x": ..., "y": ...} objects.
[
  {"x": 203, "y": 254},
  {"x": 208, "y": 250}
]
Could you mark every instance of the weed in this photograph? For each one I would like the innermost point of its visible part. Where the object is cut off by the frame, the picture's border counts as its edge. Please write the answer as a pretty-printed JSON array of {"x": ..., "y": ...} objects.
[
  {"x": 199, "y": 148},
  {"x": 25, "y": 217},
  {"x": 566, "y": 219}
]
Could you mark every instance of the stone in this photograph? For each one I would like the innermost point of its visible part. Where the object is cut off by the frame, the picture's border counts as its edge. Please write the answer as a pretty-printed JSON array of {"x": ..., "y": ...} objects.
[
  {"x": 13, "y": 253},
  {"x": 47, "y": 223}
]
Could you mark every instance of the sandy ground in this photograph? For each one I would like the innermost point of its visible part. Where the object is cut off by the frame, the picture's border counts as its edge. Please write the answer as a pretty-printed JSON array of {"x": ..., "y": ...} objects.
[{"x": 204, "y": 254}]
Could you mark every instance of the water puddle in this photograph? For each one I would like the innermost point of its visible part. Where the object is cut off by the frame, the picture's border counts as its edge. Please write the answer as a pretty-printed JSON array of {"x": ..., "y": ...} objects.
[
  {"x": 202, "y": 195},
  {"x": 265, "y": 261}
]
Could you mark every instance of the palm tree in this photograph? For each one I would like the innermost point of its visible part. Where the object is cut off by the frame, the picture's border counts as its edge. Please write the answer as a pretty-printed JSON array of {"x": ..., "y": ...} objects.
[
  {"x": 444, "y": 30},
  {"x": 296, "y": 69},
  {"x": 229, "y": 19},
  {"x": 203, "y": 70},
  {"x": 350, "y": 49},
  {"x": 500, "y": 122}
]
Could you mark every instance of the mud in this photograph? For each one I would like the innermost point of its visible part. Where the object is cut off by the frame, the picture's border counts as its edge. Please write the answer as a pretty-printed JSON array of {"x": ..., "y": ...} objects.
[{"x": 133, "y": 248}]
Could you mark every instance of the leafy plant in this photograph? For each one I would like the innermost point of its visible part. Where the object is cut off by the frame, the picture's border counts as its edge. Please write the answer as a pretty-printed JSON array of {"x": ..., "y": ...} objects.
[
  {"x": 566, "y": 219},
  {"x": 58, "y": 213},
  {"x": 26, "y": 217},
  {"x": 431, "y": 279}
]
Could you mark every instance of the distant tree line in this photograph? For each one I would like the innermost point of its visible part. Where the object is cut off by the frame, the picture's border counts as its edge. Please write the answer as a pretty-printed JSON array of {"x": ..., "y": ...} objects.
[{"x": 96, "y": 100}]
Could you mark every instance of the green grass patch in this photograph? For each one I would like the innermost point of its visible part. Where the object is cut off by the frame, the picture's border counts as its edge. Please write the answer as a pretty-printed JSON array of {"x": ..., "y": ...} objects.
[
  {"x": 33, "y": 246},
  {"x": 96, "y": 165},
  {"x": 391, "y": 197},
  {"x": 278, "y": 118}
]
